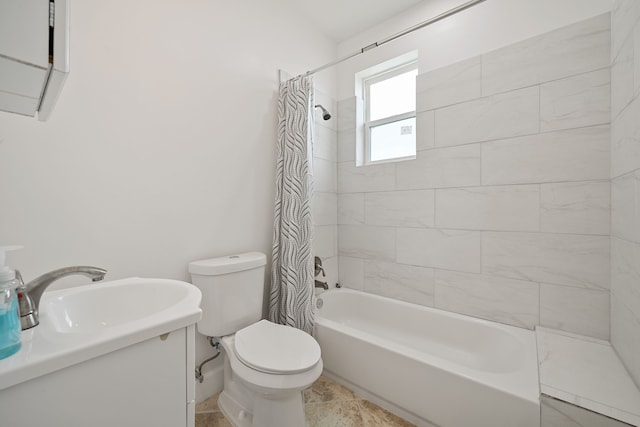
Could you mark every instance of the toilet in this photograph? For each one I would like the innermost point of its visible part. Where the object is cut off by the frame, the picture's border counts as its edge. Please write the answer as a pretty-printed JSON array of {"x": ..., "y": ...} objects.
[{"x": 267, "y": 366}]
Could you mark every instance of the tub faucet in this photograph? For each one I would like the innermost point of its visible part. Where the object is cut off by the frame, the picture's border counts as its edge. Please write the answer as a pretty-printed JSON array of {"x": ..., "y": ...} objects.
[
  {"x": 322, "y": 285},
  {"x": 29, "y": 294}
]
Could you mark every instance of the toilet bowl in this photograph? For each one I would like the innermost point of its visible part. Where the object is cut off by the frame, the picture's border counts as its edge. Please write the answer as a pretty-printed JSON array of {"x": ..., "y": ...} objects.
[{"x": 267, "y": 366}]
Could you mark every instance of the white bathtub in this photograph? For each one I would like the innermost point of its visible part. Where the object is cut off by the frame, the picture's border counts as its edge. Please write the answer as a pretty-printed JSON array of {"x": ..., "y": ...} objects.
[{"x": 429, "y": 365}]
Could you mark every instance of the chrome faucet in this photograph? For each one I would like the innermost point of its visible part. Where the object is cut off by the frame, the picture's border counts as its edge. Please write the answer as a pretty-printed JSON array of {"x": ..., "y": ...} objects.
[
  {"x": 322, "y": 285},
  {"x": 29, "y": 294},
  {"x": 317, "y": 263}
]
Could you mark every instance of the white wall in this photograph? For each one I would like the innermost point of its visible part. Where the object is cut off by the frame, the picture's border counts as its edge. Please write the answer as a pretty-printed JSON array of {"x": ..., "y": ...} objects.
[
  {"x": 485, "y": 27},
  {"x": 161, "y": 149}
]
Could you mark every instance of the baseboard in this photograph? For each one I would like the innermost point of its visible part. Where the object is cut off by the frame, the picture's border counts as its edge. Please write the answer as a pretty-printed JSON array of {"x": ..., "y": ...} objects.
[{"x": 212, "y": 384}]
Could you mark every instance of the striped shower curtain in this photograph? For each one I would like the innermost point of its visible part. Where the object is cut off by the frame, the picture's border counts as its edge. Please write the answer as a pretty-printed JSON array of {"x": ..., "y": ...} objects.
[{"x": 292, "y": 300}]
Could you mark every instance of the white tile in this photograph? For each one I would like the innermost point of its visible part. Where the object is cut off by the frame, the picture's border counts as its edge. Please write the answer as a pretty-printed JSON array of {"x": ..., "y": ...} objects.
[
  {"x": 367, "y": 242},
  {"x": 449, "y": 85},
  {"x": 505, "y": 208},
  {"x": 624, "y": 15},
  {"x": 325, "y": 241},
  {"x": 514, "y": 302},
  {"x": 625, "y": 273},
  {"x": 351, "y": 208},
  {"x": 582, "y": 311},
  {"x": 439, "y": 168},
  {"x": 625, "y": 140},
  {"x": 347, "y": 113},
  {"x": 400, "y": 208},
  {"x": 568, "y": 155},
  {"x": 347, "y": 129},
  {"x": 324, "y": 175},
  {"x": 622, "y": 75},
  {"x": 360, "y": 137},
  {"x": 556, "y": 413},
  {"x": 347, "y": 145},
  {"x": 445, "y": 249},
  {"x": 574, "y": 49},
  {"x": 499, "y": 116},
  {"x": 576, "y": 207},
  {"x": 625, "y": 207},
  {"x": 636, "y": 59},
  {"x": 564, "y": 259},
  {"x": 351, "y": 272},
  {"x": 353, "y": 179},
  {"x": 625, "y": 336},
  {"x": 577, "y": 101},
  {"x": 403, "y": 282},
  {"x": 325, "y": 143},
  {"x": 426, "y": 128},
  {"x": 325, "y": 208},
  {"x": 330, "y": 266},
  {"x": 586, "y": 372}
]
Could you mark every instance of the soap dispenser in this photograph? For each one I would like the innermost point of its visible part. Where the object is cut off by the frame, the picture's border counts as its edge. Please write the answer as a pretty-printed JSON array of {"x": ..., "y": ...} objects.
[{"x": 9, "y": 317}]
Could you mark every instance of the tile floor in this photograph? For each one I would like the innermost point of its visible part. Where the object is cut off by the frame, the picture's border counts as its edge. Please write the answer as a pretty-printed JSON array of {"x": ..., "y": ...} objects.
[{"x": 327, "y": 404}]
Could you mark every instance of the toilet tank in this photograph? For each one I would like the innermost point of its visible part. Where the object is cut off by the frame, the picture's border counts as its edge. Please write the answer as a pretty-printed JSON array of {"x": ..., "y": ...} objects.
[{"x": 232, "y": 292}]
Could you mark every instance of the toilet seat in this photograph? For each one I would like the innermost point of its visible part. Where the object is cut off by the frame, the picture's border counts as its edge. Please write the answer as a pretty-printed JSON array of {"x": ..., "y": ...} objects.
[
  {"x": 276, "y": 349},
  {"x": 264, "y": 382}
]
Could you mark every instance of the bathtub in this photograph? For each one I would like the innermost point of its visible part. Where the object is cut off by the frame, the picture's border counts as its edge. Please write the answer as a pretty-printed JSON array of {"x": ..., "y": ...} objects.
[{"x": 429, "y": 366}]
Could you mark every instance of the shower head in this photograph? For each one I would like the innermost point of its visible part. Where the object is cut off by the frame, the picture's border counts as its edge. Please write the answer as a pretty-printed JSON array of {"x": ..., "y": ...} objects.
[{"x": 325, "y": 113}]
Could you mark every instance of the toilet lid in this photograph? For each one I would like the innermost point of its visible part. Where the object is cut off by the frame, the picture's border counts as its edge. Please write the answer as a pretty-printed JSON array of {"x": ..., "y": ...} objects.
[{"x": 277, "y": 349}]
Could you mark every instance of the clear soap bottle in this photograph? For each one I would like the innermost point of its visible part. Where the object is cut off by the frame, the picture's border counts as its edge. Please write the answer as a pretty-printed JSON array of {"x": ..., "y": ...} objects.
[{"x": 9, "y": 317}]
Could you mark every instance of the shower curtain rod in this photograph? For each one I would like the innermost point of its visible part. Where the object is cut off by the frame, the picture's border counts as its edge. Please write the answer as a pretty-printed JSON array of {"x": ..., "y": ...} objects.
[{"x": 422, "y": 24}]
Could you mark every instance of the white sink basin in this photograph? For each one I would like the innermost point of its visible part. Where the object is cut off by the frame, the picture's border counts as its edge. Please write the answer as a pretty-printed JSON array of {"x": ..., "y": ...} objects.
[
  {"x": 99, "y": 306},
  {"x": 81, "y": 323}
]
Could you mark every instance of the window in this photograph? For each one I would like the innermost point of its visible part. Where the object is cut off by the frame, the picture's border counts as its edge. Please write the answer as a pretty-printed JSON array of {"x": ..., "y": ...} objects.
[{"x": 390, "y": 114}]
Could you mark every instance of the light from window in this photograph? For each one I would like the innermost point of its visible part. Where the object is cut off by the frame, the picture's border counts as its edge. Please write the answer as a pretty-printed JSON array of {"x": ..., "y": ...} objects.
[
  {"x": 393, "y": 96},
  {"x": 390, "y": 124},
  {"x": 393, "y": 140}
]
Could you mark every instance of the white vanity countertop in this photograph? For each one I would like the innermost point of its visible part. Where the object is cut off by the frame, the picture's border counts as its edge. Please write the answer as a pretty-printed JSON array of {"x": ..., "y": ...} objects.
[
  {"x": 102, "y": 323},
  {"x": 586, "y": 372}
]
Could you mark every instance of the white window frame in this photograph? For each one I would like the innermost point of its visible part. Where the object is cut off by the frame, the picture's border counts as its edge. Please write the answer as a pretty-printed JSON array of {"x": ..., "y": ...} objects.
[{"x": 368, "y": 124}]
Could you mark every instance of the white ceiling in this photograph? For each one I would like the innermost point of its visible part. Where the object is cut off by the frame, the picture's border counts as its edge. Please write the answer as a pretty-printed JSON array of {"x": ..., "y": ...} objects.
[{"x": 342, "y": 19}]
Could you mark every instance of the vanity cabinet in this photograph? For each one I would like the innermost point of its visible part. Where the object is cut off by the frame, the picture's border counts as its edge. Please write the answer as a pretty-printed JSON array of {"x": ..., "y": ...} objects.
[
  {"x": 34, "y": 55},
  {"x": 150, "y": 383}
]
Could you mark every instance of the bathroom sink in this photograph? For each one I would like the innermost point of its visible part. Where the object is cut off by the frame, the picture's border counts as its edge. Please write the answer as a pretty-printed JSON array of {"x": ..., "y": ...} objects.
[
  {"x": 82, "y": 323},
  {"x": 100, "y": 306}
]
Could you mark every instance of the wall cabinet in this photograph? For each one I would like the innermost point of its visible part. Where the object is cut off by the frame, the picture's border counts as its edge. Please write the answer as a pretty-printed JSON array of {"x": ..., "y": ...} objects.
[{"x": 34, "y": 55}]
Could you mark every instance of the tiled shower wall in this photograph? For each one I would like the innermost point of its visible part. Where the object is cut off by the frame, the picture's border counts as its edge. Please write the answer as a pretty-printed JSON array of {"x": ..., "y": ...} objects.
[
  {"x": 625, "y": 183},
  {"x": 505, "y": 212},
  {"x": 325, "y": 199}
]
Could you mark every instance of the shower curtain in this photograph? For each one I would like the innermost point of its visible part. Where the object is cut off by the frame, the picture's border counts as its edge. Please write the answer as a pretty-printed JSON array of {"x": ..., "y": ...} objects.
[{"x": 292, "y": 300}]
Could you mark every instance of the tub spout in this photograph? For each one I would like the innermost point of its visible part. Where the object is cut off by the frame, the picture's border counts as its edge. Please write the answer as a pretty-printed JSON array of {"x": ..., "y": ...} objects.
[{"x": 322, "y": 285}]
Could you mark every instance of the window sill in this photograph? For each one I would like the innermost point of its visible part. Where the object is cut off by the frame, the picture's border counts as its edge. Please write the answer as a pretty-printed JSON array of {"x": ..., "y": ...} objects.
[{"x": 394, "y": 160}]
